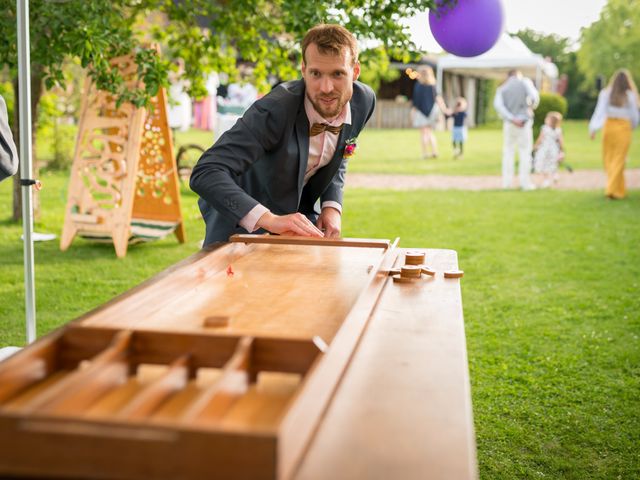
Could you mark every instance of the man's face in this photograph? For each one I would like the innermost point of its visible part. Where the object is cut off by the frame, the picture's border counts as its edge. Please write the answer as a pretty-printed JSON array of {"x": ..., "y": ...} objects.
[{"x": 329, "y": 80}]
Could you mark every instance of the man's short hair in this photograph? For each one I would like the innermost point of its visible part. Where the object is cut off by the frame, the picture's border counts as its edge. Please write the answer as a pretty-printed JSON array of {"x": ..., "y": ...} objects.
[{"x": 331, "y": 39}]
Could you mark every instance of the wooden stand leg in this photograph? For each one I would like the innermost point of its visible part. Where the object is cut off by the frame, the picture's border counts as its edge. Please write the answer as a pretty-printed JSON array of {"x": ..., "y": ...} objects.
[
  {"x": 179, "y": 233},
  {"x": 68, "y": 234},
  {"x": 121, "y": 240}
]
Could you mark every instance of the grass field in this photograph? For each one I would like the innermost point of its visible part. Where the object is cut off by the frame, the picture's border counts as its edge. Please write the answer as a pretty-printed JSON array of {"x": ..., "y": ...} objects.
[
  {"x": 550, "y": 294},
  {"x": 398, "y": 151}
]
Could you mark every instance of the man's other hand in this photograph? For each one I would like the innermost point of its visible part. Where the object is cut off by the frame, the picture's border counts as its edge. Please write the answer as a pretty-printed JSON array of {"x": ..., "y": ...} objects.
[
  {"x": 330, "y": 221},
  {"x": 292, "y": 224}
]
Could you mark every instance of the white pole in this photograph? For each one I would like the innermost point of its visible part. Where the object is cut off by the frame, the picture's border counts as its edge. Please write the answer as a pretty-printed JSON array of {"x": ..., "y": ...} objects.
[{"x": 24, "y": 87}]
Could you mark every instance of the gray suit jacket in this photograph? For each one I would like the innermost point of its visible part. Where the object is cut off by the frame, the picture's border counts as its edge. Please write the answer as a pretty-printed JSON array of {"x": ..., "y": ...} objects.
[
  {"x": 263, "y": 159},
  {"x": 8, "y": 153}
]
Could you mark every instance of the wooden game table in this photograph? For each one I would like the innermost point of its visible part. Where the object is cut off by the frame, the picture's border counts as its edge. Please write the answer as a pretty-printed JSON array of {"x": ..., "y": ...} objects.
[{"x": 268, "y": 357}]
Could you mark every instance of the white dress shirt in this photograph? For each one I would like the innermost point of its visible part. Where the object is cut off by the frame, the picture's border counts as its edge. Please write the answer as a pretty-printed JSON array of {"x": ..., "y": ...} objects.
[
  {"x": 605, "y": 110},
  {"x": 321, "y": 150}
]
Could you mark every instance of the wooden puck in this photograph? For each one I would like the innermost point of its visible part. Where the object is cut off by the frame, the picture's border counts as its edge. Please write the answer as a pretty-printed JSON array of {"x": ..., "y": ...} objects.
[
  {"x": 453, "y": 274},
  {"x": 414, "y": 258},
  {"x": 394, "y": 271},
  {"x": 410, "y": 271},
  {"x": 216, "y": 321},
  {"x": 428, "y": 270},
  {"x": 399, "y": 279}
]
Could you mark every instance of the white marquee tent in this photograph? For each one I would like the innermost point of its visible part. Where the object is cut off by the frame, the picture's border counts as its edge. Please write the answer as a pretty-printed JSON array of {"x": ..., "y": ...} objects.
[{"x": 507, "y": 54}]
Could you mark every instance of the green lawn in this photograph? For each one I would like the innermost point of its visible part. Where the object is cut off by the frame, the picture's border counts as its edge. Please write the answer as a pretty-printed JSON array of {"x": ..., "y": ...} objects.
[
  {"x": 550, "y": 294},
  {"x": 552, "y": 314},
  {"x": 398, "y": 151}
]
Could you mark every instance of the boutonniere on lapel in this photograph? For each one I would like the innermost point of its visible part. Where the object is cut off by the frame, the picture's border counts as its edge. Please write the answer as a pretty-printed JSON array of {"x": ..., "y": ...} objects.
[{"x": 350, "y": 148}]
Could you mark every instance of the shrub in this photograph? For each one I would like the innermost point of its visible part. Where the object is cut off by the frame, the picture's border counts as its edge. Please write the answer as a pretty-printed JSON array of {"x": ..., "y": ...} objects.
[{"x": 549, "y": 102}]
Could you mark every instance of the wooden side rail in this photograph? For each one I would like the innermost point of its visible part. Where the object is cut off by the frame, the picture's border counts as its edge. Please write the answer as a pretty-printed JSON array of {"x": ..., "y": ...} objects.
[
  {"x": 297, "y": 240},
  {"x": 316, "y": 392},
  {"x": 216, "y": 399},
  {"x": 82, "y": 386},
  {"x": 154, "y": 394},
  {"x": 28, "y": 367}
]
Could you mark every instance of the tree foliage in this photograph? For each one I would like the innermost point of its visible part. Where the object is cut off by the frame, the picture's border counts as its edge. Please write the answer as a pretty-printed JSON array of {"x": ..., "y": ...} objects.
[
  {"x": 612, "y": 42},
  {"x": 208, "y": 35},
  {"x": 580, "y": 93}
]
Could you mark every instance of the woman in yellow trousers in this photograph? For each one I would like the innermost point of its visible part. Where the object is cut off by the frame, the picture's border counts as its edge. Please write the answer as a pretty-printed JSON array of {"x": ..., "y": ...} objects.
[{"x": 617, "y": 114}]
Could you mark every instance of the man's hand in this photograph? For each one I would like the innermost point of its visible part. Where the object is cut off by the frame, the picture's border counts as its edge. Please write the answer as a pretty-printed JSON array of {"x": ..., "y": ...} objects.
[
  {"x": 593, "y": 135},
  {"x": 518, "y": 123},
  {"x": 330, "y": 220},
  {"x": 292, "y": 224}
]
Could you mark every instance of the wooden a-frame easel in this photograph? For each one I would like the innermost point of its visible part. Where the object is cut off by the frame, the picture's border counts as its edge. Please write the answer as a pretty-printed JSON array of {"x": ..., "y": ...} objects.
[{"x": 124, "y": 184}]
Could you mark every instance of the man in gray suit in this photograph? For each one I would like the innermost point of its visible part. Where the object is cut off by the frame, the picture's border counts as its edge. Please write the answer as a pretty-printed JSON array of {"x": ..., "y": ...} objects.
[
  {"x": 514, "y": 101},
  {"x": 8, "y": 153},
  {"x": 281, "y": 168}
]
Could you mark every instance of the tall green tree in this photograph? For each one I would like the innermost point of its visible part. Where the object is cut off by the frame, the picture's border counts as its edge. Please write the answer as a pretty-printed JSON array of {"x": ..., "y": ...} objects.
[
  {"x": 612, "y": 42},
  {"x": 580, "y": 93},
  {"x": 207, "y": 34}
]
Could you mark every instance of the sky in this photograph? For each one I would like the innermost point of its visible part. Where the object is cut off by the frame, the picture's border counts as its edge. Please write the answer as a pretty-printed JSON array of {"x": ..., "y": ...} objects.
[{"x": 562, "y": 17}]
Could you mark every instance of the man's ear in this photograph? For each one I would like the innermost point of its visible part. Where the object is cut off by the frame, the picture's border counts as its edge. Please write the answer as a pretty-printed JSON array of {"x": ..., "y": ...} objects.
[
  {"x": 303, "y": 67},
  {"x": 356, "y": 71}
]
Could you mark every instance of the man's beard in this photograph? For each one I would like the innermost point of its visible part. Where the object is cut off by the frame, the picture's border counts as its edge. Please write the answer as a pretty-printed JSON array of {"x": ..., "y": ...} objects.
[{"x": 328, "y": 114}]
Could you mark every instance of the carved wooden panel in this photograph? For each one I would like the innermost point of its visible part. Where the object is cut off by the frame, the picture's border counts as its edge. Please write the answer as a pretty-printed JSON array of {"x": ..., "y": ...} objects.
[{"x": 123, "y": 167}]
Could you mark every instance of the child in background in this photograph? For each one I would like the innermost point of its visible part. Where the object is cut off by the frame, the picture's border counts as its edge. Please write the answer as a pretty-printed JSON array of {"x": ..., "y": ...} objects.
[
  {"x": 459, "y": 131},
  {"x": 549, "y": 149}
]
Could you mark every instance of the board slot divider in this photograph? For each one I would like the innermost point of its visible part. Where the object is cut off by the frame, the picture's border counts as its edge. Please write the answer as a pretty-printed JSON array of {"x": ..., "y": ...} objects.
[
  {"x": 229, "y": 381},
  {"x": 152, "y": 396},
  {"x": 106, "y": 368}
]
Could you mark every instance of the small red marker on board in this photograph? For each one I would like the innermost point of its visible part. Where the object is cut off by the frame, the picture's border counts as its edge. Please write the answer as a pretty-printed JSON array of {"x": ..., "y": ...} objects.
[{"x": 229, "y": 271}]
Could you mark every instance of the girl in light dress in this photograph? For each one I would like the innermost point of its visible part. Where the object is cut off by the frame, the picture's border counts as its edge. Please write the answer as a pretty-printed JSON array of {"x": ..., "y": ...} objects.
[{"x": 549, "y": 149}]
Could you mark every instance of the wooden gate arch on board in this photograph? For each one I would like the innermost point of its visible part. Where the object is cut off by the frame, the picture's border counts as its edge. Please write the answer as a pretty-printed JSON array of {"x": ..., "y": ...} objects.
[{"x": 124, "y": 184}]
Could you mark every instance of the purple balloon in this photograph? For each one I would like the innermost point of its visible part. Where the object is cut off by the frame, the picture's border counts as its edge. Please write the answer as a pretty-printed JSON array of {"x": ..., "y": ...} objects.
[{"x": 469, "y": 28}]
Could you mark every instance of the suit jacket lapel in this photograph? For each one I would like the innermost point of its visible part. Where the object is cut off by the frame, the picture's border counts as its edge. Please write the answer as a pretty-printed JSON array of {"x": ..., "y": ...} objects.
[{"x": 302, "y": 136}]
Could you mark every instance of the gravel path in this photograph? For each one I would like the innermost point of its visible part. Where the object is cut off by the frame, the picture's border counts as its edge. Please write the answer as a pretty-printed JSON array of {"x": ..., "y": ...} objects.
[{"x": 578, "y": 180}]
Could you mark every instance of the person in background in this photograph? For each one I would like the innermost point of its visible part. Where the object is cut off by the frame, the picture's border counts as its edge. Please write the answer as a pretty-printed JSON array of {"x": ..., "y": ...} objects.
[
  {"x": 281, "y": 167},
  {"x": 180, "y": 110},
  {"x": 459, "y": 130},
  {"x": 616, "y": 113},
  {"x": 515, "y": 101},
  {"x": 8, "y": 151},
  {"x": 427, "y": 104},
  {"x": 549, "y": 149}
]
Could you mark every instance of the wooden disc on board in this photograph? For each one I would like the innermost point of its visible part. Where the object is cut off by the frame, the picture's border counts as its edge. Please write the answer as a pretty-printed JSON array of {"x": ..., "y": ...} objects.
[
  {"x": 428, "y": 270},
  {"x": 410, "y": 271},
  {"x": 414, "y": 258},
  {"x": 400, "y": 279},
  {"x": 216, "y": 321},
  {"x": 453, "y": 274}
]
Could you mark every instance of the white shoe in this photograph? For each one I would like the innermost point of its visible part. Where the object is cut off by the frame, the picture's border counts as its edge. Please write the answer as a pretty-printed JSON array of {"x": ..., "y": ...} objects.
[{"x": 528, "y": 188}]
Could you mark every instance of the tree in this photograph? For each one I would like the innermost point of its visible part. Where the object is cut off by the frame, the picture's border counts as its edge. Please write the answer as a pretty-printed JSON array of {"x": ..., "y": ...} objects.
[
  {"x": 580, "y": 96},
  {"x": 612, "y": 42},
  {"x": 208, "y": 35}
]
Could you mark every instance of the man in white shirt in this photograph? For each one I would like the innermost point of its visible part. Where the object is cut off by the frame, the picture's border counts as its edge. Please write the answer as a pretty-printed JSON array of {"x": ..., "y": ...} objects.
[
  {"x": 281, "y": 167},
  {"x": 515, "y": 101}
]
